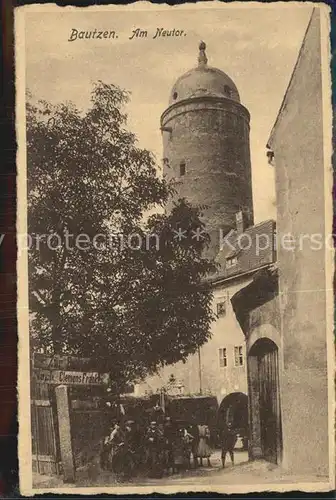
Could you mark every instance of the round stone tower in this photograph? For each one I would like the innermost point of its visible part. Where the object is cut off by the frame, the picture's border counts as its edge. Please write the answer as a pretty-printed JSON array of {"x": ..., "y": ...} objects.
[{"x": 206, "y": 147}]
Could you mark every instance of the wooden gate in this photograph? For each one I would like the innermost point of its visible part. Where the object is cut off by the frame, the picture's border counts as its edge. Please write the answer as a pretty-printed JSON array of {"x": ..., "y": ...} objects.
[
  {"x": 54, "y": 439},
  {"x": 44, "y": 441},
  {"x": 269, "y": 400}
]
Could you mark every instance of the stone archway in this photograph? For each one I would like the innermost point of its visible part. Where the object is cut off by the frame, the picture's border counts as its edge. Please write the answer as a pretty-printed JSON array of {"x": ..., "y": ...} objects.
[
  {"x": 265, "y": 412},
  {"x": 234, "y": 408}
]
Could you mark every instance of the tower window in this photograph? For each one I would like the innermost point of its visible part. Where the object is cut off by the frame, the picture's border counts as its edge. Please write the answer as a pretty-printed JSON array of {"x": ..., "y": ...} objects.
[
  {"x": 182, "y": 168},
  {"x": 222, "y": 357},
  {"x": 238, "y": 355},
  {"x": 227, "y": 90},
  {"x": 175, "y": 95}
]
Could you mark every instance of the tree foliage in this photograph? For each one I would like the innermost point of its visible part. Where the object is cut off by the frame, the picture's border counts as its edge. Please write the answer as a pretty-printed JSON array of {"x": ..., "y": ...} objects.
[{"x": 105, "y": 281}]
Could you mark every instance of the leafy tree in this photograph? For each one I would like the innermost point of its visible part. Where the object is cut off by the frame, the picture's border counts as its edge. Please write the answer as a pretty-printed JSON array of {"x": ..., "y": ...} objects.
[{"x": 105, "y": 281}]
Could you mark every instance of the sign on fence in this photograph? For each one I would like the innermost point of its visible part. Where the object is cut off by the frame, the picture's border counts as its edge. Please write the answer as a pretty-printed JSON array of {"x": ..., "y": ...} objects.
[
  {"x": 59, "y": 362},
  {"x": 70, "y": 377}
]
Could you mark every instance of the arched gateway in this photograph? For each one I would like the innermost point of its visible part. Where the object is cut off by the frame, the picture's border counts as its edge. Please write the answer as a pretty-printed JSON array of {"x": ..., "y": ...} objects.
[
  {"x": 257, "y": 310},
  {"x": 234, "y": 409},
  {"x": 265, "y": 412}
]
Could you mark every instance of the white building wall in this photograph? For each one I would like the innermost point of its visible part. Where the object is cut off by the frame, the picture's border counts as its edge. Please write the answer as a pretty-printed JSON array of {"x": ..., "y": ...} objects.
[{"x": 203, "y": 373}]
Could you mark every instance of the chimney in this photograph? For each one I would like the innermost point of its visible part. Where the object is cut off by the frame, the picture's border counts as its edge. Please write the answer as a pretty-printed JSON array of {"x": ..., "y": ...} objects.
[{"x": 240, "y": 222}]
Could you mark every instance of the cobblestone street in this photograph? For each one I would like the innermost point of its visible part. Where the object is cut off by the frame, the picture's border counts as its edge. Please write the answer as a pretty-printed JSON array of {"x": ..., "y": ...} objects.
[{"x": 243, "y": 473}]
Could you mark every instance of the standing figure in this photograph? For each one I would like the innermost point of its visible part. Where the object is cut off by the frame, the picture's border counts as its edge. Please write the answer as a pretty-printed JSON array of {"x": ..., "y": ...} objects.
[
  {"x": 178, "y": 451},
  {"x": 133, "y": 445},
  {"x": 169, "y": 436},
  {"x": 188, "y": 439},
  {"x": 204, "y": 450},
  {"x": 154, "y": 442},
  {"x": 106, "y": 450},
  {"x": 228, "y": 441},
  {"x": 193, "y": 430},
  {"x": 116, "y": 440}
]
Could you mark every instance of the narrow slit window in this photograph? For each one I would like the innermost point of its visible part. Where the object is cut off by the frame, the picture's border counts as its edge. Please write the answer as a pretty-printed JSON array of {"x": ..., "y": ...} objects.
[
  {"x": 227, "y": 90},
  {"x": 182, "y": 168}
]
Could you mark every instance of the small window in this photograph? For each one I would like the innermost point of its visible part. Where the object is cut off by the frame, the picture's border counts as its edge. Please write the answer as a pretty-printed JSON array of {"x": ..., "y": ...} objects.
[
  {"x": 221, "y": 308},
  {"x": 182, "y": 168},
  {"x": 238, "y": 355},
  {"x": 227, "y": 90},
  {"x": 231, "y": 262},
  {"x": 175, "y": 95},
  {"x": 222, "y": 357}
]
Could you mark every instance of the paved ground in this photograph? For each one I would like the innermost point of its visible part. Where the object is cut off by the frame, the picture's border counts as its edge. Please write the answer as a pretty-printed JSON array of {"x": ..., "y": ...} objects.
[
  {"x": 93, "y": 475},
  {"x": 242, "y": 474}
]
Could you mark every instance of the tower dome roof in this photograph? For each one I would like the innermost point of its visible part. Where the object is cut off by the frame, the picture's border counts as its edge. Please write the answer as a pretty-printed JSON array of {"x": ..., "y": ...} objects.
[{"x": 203, "y": 81}]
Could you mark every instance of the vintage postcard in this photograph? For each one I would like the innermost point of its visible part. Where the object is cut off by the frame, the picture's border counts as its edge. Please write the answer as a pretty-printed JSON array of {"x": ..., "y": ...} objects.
[{"x": 175, "y": 248}]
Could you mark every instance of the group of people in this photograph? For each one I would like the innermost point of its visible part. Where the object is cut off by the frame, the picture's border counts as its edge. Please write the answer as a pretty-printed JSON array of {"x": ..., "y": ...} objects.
[{"x": 161, "y": 447}]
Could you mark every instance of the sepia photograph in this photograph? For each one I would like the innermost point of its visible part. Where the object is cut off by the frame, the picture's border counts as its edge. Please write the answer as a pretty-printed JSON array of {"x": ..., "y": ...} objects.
[{"x": 175, "y": 248}]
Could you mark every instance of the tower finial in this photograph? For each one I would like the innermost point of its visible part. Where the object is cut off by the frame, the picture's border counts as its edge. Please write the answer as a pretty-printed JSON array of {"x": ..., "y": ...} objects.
[{"x": 202, "y": 58}]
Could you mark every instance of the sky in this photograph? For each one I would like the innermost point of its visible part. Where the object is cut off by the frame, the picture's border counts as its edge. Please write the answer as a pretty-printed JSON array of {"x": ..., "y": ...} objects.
[{"x": 256, "y": 46}]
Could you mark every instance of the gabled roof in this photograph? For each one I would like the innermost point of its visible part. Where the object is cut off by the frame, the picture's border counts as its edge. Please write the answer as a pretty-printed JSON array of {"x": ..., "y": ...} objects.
[{"x": 251, "y": 250}]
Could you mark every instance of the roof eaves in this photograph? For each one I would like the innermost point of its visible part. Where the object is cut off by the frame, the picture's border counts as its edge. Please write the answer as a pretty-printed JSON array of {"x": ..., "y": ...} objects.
[{"x": 223, "y": 279}]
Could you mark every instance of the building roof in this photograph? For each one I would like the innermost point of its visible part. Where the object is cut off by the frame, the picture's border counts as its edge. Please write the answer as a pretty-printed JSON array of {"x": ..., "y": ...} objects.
[
  {"x": 203, "y": 81},
  {"x": 314, "y": 15},
  {"x": 245, "y": 252},
  {"x": 263, "y": 288}
]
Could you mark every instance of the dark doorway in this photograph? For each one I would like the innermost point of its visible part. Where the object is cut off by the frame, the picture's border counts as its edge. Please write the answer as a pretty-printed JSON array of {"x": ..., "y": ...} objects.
[
  {"x": 234, "y": 409},
  {"x": 266, "y": 377}
]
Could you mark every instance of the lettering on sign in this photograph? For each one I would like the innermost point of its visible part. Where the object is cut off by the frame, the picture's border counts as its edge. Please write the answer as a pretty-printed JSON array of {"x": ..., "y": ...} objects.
[
  {"x": 70, "y": 377},
  {"x": 58, "y": 362}
]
